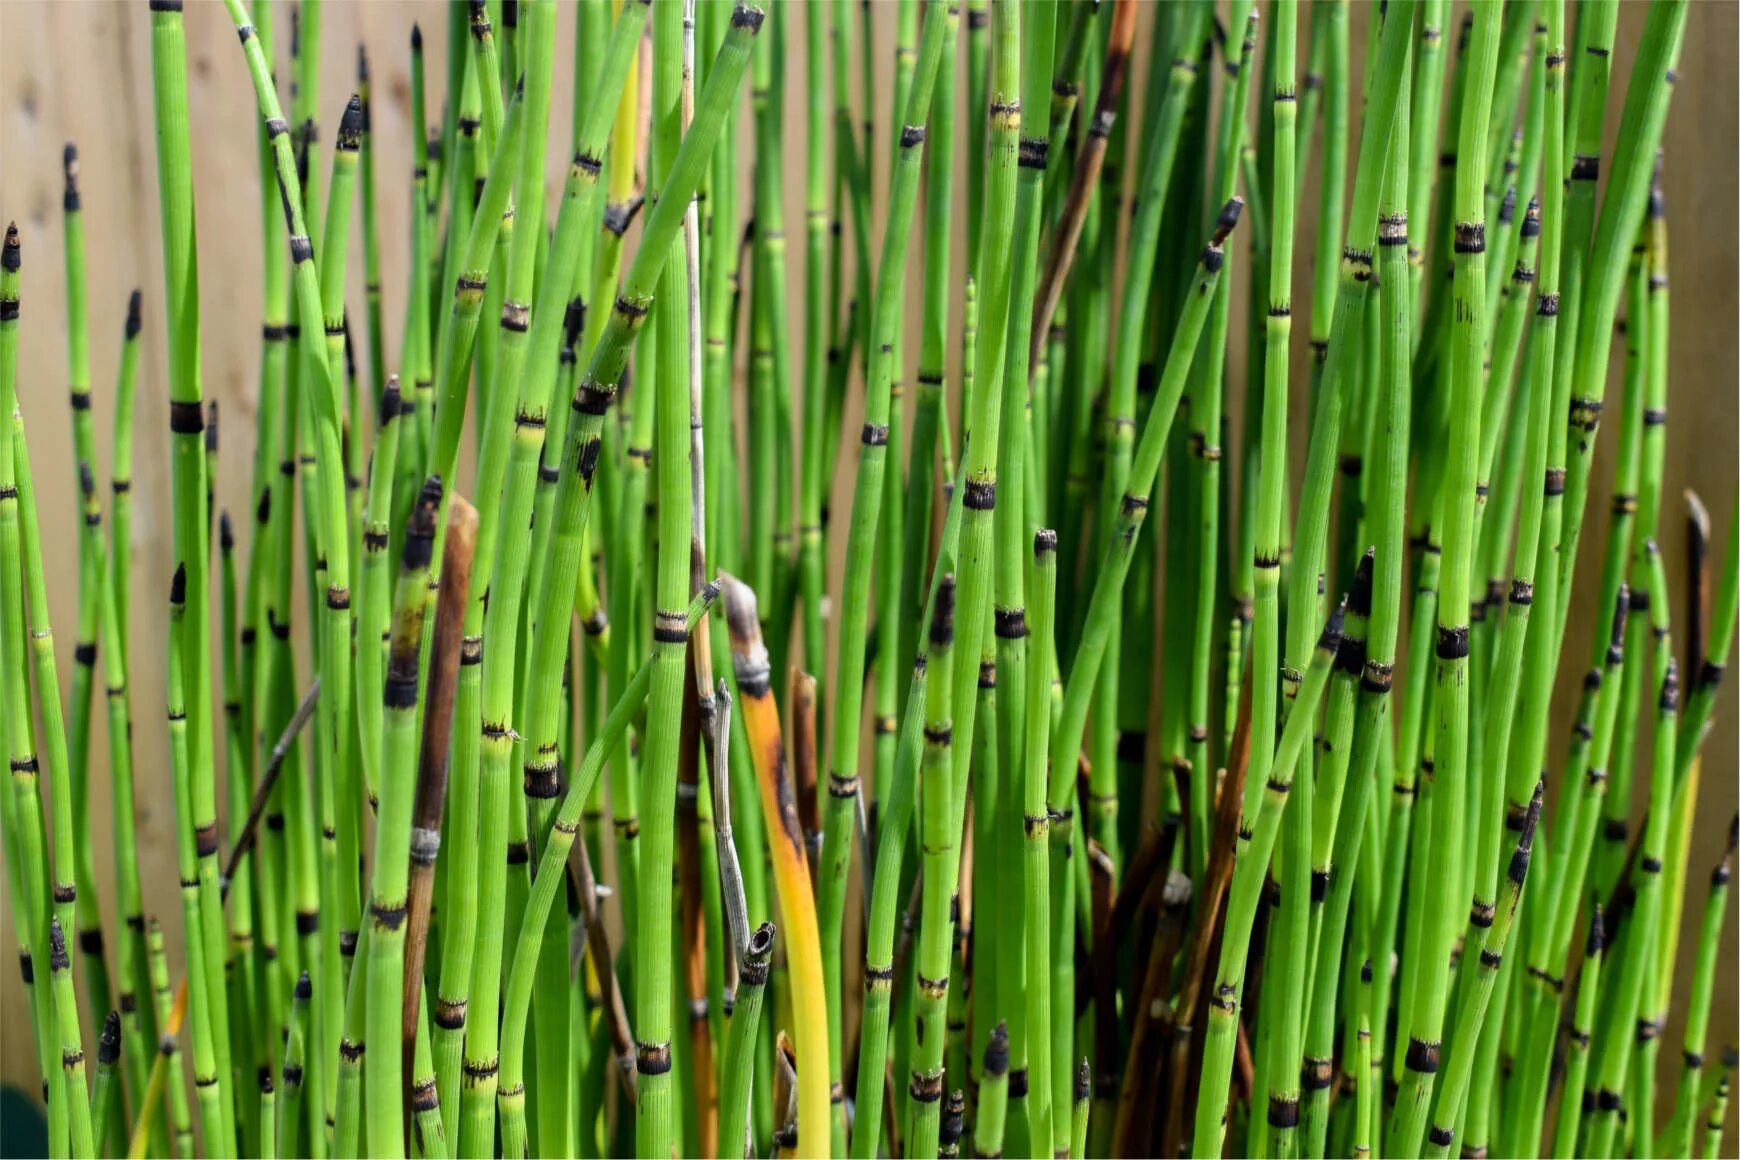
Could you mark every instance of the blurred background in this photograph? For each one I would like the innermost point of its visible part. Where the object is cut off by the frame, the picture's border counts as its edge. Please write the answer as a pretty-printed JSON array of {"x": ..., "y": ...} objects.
[{"x": 82, "y": 73}]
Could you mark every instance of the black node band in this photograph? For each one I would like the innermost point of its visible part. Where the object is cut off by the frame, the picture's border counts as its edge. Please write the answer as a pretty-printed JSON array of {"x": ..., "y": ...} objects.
[
  {"x": 186, "y": 417},
  {"x": 1422, "y": 1056},
  {"x": 979, "y": 496},
  {"x": 652, "y": 1058},
  {"x": 388, "y": 917}
]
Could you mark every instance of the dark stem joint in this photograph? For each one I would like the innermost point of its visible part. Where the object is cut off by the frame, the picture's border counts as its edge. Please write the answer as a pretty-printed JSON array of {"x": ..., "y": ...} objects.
[
  {"x": 541, "y": 782},
  {"x": 1377, "y": 677},
  {"x": 652, "y": 1058},
  {"x": 186, "y": 417},
  {"x": 1422, "y": 1056}
]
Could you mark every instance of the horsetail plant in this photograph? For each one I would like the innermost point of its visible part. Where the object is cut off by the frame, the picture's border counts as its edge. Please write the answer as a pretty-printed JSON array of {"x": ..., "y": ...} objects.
[{"x": 1249, "y": 944}]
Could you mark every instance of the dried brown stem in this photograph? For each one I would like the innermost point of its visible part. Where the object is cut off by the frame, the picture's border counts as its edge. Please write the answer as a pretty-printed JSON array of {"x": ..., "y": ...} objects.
[
  {"x": 598, "y": 942},
  {"x": 1087, "y": 174},
  {"x": 274, "y": 763},
  {"x": 801, "y": 705},
  {"x": 1142, "y": 1078},
  {"x": 1205, "y": 931},
  {"x": 1697, "y": 579},
  {"x": 695, "y": 935},
  {"x": 456, "y": 560}
]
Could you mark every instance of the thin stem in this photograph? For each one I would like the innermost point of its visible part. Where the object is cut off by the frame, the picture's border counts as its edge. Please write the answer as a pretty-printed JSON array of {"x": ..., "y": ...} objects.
[{"x": 867, "y": 504}]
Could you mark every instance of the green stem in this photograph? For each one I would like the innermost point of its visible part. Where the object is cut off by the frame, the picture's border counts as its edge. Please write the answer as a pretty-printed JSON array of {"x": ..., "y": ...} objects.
[
  {"x": 1036, "y": 857},
  {"x": 739, "y": 1067},
  {"x": 937, "y": 842},
  {"x": 387, "y": 899},
  {"x": 187, "y": 463},
  {"x": 867, "y": 503},
  {"x": 1256, "y": 842},
  {"x": 565, "y": 824},
  {"x": 1640, "y": 132},
  {"x": 90, "y": 933},
  {"x": 1677, "y": 1140},
  {"x": 1425, "y": 1017}
]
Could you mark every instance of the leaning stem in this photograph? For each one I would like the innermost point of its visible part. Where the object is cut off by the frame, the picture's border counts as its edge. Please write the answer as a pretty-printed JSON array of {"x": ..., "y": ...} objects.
[{"x": 791, "y": 876}]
